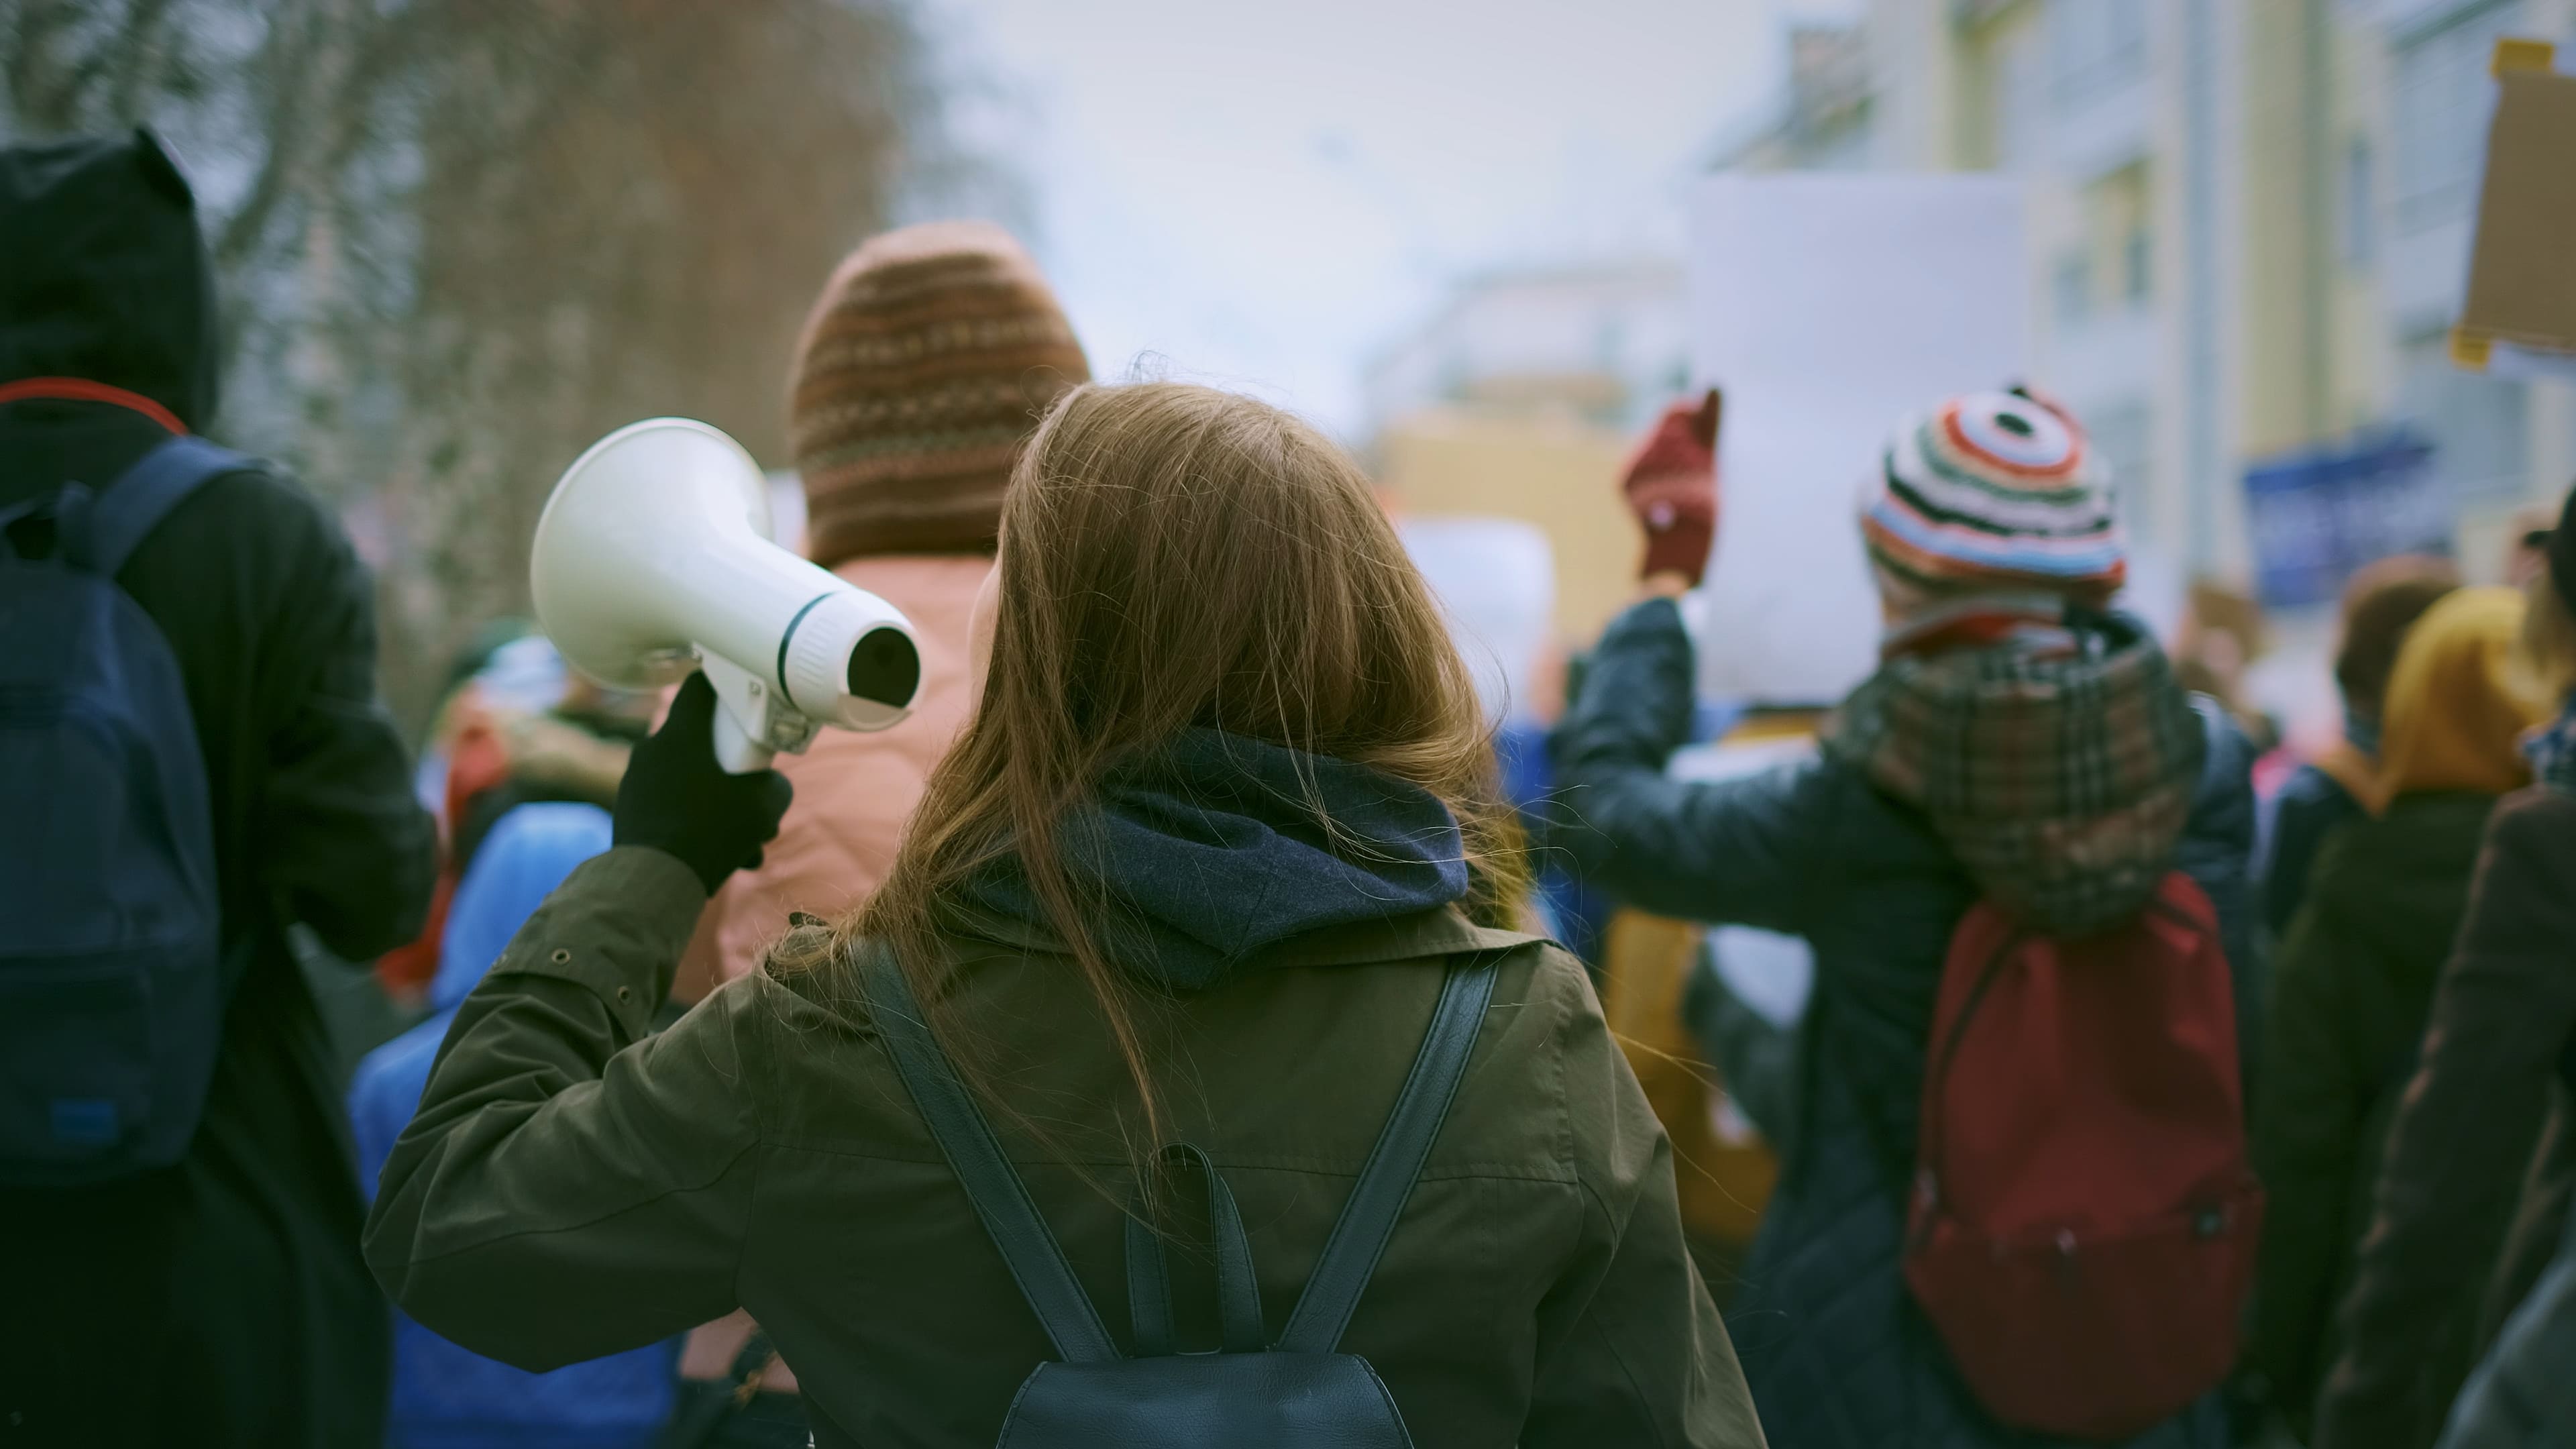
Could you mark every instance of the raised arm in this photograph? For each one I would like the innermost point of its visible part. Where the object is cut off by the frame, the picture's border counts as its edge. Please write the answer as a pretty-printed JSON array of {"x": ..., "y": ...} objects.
[
  {"x": 1737, "y": 850},
  {"x": 570, "y": 1187}
]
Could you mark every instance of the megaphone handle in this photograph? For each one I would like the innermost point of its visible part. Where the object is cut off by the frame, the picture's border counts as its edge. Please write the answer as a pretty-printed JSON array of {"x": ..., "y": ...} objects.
[
  {"x": 741, "y": 748},
  {"x": 736, "y": 749}
]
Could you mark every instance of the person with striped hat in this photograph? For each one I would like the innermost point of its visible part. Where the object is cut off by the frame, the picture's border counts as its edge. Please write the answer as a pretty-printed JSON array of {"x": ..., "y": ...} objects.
[
  {"x": 1990, "y": 506},
  {"x": 2021, "y": 744}
]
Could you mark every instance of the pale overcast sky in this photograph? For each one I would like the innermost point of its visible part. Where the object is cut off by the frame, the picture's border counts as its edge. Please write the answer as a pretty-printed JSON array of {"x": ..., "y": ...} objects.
[{"x": 1263, "y": 195}]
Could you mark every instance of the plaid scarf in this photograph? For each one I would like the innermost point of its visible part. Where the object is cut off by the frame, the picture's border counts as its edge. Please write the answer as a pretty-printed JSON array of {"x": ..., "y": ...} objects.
[
  {"x": 2060, "y": 773},
  {"x": 2552, "y": 750}
]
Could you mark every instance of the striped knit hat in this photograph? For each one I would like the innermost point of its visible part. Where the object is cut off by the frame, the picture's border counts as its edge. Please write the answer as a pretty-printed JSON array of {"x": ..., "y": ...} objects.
[
  {"x": 1995, "y": 492},
  {"x": 927, "y": 361}
]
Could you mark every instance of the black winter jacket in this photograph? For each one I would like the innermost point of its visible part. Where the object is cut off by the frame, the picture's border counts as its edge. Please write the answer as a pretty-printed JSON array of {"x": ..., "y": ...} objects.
[
  {"x": 2352, "y": 986},
  {"x": 222, "y": 1300},
  {"x": 2502, "y": 1026}
]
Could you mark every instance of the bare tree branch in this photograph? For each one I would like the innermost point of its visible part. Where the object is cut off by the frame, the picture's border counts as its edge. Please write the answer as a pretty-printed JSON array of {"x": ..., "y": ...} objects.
[
  {"x": 136, "y": 57},
  {"x": 458, "y": 239}
]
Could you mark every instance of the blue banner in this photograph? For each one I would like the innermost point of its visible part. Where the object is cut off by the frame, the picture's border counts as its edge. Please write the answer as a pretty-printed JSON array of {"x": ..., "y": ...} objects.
[{"x": 2316, "y": 516}]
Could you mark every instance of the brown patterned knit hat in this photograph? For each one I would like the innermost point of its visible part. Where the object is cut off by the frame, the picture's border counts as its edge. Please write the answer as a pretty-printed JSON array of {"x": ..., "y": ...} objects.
[{"x": 929, "y": 358}]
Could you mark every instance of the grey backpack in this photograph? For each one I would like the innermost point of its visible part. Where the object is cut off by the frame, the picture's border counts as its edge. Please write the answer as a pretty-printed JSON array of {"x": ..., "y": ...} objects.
[{"x": 1253, "y": 1394}]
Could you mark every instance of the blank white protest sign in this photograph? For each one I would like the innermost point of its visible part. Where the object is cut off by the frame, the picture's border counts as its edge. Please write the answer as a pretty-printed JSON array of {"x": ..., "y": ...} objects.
[{"x": 1828, "y": 307}]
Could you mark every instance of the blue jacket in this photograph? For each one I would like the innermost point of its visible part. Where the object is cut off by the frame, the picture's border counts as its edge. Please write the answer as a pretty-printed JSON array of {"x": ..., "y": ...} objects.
[
  {"x": 445, "y": 1397},
  {"x": 1837, "y": 1355}
]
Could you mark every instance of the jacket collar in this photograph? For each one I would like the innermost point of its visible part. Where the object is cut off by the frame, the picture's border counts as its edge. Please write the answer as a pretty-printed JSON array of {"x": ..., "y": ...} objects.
[{"x": 1444, "y": 931}]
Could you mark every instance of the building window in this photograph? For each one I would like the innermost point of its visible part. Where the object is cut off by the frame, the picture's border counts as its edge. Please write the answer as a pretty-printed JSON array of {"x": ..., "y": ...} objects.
[
  {"x": 2120, "y": 434},
  {"x": 2093, "y": 44},
  {"x": 2479, "y": 425},
  {"x": 2020, "y": 96},
  {"x": 2359, "y": 213},
  {"x": 2120, "y": 236},
  {"x": 2443, "y": 99},
  {"x": 1453, "y": 378},
  {"x": 1609, "y": 342},
  {"x": 2073, "y": 288}
]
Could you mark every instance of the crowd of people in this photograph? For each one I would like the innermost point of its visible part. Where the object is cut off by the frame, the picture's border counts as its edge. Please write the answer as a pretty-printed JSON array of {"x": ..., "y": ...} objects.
[{"x": 1188, "y": 963}]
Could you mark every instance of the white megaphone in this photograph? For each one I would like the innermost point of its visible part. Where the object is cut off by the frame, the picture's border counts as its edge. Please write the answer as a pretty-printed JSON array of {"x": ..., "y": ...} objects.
[{"x": 653, "y": 557}]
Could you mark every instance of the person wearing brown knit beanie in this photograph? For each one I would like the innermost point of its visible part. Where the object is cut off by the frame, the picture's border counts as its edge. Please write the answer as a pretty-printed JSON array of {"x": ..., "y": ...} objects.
[
  {"x": 930, "y": 357},
  {"x": 927, "y": 361}
]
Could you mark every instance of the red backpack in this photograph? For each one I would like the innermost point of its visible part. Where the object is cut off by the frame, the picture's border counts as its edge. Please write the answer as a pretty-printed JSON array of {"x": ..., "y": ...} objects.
[{"x": 2084, "y": 1218}]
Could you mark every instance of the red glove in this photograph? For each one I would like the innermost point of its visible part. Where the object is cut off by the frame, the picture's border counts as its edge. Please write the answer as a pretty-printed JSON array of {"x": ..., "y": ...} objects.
[{"x": 1671, "y": 485}]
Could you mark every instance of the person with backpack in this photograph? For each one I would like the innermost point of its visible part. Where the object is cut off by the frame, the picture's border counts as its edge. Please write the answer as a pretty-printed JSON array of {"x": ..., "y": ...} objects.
[
  {"x": 2354, "y": 979},
  {"x": 2020, "y": 858},
  {"x": 2502, "y": 1028},
  {"x": 192, "y": 761},
  {"x": 1185, "y": 1019}
]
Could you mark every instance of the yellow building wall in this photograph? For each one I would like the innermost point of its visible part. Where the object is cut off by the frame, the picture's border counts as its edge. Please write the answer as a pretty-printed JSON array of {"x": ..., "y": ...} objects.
[{"x": 1558, "y": 474}]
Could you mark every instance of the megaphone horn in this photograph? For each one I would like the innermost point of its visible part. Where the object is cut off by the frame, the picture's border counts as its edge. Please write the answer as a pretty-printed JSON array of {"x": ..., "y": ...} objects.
[{"x": 654, "y": 555}]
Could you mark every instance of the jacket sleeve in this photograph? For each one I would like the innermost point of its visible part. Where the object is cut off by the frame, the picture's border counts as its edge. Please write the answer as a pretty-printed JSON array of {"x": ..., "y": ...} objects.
[
  {"x": 2504, "y": 1010},
  {"x": 2300, "y": 815},
  {"x": 2217, "y": 852},
  {"x": 1630, "y": 1348},
  {"x": 2307, "y": 1144},
  {"x": 343, "y": 845},
  {"x": 1740, "y": 850},
  {"x": 570, "y": 1187},
  {"x": 1756, "y": 1060}
]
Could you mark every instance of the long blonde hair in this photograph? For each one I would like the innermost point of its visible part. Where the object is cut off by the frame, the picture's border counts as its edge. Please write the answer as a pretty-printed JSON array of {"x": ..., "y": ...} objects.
[
  {"x": 1175, "y": 556},
  {"x": 2456, "y": 705}
]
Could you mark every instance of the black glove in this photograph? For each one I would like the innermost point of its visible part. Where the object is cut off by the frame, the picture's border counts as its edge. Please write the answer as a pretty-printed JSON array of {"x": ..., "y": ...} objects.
[{"x": 678, "y": 800}]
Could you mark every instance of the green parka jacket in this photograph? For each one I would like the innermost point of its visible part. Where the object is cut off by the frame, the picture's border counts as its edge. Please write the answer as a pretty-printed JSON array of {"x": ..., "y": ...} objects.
[{"x": 574, "y": 1186}]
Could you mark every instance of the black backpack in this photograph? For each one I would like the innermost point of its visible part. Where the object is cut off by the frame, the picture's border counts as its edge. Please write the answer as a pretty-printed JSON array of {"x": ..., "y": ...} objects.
[
  {"x": 113, "y": 978},
  {"x": 1253, "y": 1393}
]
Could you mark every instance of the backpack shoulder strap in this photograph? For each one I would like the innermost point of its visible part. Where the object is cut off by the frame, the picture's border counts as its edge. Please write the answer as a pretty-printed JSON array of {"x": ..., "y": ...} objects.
[
  {"x": 122, "y": 515},
  {"x": 1001, "y": 1200},
  {"x": 1360, "y": 1235}
]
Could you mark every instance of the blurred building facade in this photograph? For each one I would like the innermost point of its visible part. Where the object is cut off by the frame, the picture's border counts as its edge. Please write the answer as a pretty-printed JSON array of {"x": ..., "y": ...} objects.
[
  {"x": 1518, "y": 399},
  {"x": 1603, "y": 344},
  {"x": 2250, "y": 226}
]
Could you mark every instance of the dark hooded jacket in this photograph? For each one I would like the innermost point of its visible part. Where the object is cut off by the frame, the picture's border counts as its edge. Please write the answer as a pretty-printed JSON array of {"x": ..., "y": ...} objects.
[
  {"x": 570, "y": 1187},
  {"x": 1866, "y": 852},
  {"x": 2501, "y": 1031},
  {"x": 230, "y": 1285},
  {"x": 2353, "y": 983}
]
